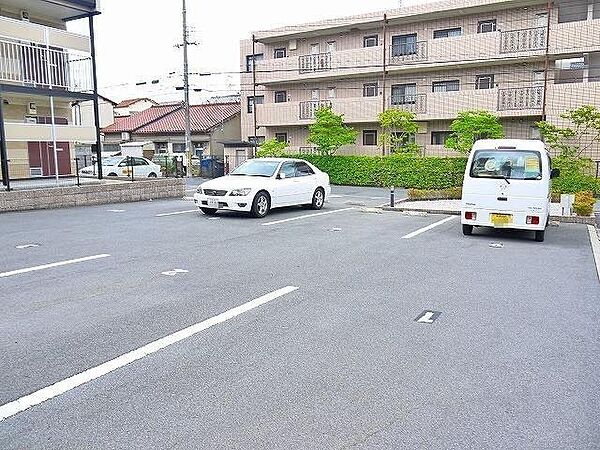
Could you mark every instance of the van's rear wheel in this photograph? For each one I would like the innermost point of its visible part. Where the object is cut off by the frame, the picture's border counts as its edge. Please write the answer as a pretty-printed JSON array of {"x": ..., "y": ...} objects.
[
  {"x": 539, "y": 235},
  {"x": 467, "y": 230}
]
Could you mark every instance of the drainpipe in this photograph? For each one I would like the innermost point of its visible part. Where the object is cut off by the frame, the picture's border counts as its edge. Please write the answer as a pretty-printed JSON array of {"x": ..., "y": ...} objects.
[
  {"x": 383, "y": 150},
  {"x": 254, "y": 94},
  {"x": 52, "y": 116},
  {"x": 546, "y": 59}
]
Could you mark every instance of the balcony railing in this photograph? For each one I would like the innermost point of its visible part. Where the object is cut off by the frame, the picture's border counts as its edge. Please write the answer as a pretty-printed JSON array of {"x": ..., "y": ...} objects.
[
  {"x": 407, "y": 53},
  {"x": 308, "y": 109},
  {"x": 521, "y": 98},
  {"x": 416, "y": 103},
  {"x": 523, "y": 40},
  {"x": 314, "y": 63},
  {"x": 40, "y": 66}
]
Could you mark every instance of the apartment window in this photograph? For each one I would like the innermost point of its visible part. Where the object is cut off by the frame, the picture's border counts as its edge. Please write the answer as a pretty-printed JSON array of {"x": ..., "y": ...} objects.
[
  {"x": 281, "y": 137},
  {"x": 448, "y": 32},
  {"x": 400, "y": 139},
  {"x": 486, "y": 26},
  {"x": 404, "y": 94},
  {"x": 280, "y": 53},
  {"x": 256, "y": 140},
  {"x": 161, "y": 147},
  {"x": 484, "y": 81},
  {"x": 404, "y": 44},
  {"x": 538, "y": 77},
  {"x": 369, "y": 137},
  {"x": 315, "y": 49},
  {"x": 331, "y": 92},
  {"x": 250, "y": 59},
  {"x": 446, "y": 86},
  {"x": 370, "y": 90},
  {"x": 280, "y": 96},
  {"x": 331, "y": 47},
  {"x": 440, "y": 137},
  {"x": 260, "y": 99},
  {"x": 371, "y": 41}
]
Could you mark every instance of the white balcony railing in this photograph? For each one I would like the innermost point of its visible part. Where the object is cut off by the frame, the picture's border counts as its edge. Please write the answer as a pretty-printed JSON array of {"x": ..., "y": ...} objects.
[
  {"x": 523, "y": 40},
  {"x": 314, "y": 63},
  {"x": 408, "y": 52},
  {"x": 45, "y": 67},
  {"x": 308, "y": 109},
  {"x": 521, "y": 98},
  {"x": 416, "y": 103}
]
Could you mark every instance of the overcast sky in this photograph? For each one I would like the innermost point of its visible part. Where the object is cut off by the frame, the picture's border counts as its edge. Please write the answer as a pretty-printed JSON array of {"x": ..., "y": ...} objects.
[{"x": 136, "y": 39}]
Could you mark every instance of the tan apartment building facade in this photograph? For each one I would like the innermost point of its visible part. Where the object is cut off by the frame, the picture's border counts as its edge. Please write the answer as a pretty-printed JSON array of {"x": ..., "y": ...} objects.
[
  {"x": 519, "y": 59},
  {"x": 44, "y": 69}
]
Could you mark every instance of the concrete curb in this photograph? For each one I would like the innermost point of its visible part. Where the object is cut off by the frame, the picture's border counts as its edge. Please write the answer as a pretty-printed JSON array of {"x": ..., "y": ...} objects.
[{"x": 591, "y": 220}]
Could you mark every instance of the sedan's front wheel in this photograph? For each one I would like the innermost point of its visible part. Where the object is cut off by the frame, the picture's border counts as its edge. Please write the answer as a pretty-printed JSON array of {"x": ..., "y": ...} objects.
[
  {"x": 209, "y": 211},
  {"x": 318, "y": 199},
  {"x": 261, "y": 205}
]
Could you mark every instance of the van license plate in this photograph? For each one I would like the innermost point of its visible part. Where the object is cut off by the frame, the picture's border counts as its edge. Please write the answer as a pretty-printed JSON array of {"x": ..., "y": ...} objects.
[
  {"x": 501, "y": 220},
  {"x": 213, "y": 203}
]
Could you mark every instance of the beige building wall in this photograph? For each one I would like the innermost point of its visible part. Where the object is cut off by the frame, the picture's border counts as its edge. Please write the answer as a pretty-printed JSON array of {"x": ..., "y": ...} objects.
[{"x": 514, "y": 53}]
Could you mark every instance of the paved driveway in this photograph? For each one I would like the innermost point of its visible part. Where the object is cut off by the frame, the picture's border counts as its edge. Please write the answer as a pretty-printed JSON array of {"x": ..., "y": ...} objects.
[{"x": 299, "y": 331}]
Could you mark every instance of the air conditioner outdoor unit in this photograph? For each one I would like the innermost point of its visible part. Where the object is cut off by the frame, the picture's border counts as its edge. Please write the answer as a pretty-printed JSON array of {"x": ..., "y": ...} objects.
[
  {"x": 31, "y": 108},
  {"x": 29, "y": 119},
  {"x": 125, "y": 136},
  {"x": 25, "y": 15}
]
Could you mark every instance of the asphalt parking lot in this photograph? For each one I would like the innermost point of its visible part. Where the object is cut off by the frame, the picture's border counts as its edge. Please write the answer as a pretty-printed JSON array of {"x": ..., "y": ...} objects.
[{"x": 150, "y": 325}]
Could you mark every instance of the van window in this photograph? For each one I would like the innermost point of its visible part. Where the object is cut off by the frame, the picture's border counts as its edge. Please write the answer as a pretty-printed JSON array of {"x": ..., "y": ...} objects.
[{"x": 511, "y": 164}]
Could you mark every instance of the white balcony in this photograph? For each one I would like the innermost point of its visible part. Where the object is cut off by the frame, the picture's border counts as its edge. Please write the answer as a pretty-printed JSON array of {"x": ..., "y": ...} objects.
[
  {"x": 27, "y": 132},
  {"x": 50, "y": 58},
  {"x": 574, "y": 38}
]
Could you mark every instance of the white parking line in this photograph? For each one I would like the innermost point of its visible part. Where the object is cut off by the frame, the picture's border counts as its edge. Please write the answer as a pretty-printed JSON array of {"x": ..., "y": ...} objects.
[
  {"x": 177, "y": 213},
  {"x": 48, "y": 266},
  {"x": 37, "y": 397},
  {"x": 306, "y": 216},
  {"x": 595, "y": 241},
  {"x": 428, "y": 227}
]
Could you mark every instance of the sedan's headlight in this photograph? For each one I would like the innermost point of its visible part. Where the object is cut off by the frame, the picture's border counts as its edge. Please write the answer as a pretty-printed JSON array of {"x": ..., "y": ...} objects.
[
  {"x": 240, "y": 192},
  {"x": 199, "y": 190}
]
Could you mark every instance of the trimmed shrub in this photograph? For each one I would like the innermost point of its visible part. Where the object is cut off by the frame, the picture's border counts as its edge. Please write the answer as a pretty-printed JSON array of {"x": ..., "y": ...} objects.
[
  {"x": 401, "y": 171},
  {"x": 584, "y": 203},
  {"x": 454, "y": 193}
]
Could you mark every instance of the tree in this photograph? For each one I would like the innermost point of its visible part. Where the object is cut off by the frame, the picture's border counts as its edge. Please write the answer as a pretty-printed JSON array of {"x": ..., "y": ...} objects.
[
  {"x": 329, "y": 132},
  {"x": 470, "y": 126},
  {"x": 272, "y": 148},
  {"x": 572, "y": 142},
  {"x": 399, "y": 128}
]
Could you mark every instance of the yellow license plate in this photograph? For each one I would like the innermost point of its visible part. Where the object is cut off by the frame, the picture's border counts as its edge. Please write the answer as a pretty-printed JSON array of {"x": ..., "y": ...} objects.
[{"x": 501, "y": 220}]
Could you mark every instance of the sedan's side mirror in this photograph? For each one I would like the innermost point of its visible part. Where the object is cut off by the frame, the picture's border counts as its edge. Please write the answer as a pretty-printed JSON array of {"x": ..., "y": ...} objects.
[
  {"x": 281, "y": 176},
  {"x": 555, "y": 173}
]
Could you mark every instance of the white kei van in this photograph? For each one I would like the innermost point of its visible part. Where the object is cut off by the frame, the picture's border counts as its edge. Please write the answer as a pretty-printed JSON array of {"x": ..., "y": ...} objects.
[{"x": 507, "y": 185}]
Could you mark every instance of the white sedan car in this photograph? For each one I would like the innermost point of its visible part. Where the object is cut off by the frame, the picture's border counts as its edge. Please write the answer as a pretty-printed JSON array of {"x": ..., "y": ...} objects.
[
  {"x": 258, "y": 185},
  {"x": 119, "y": 166}
]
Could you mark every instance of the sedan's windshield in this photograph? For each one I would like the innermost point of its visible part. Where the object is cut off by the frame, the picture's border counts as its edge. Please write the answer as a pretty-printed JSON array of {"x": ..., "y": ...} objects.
[
  {"x": 257, "y": 168},
  {"x": 507, "y": 164},
  {"x": 111, "y": 161}
]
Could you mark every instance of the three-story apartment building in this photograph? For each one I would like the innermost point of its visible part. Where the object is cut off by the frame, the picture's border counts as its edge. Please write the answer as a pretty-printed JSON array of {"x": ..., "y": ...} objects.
[
  {"x": 43, "y": 70},
  {"x": 522, "y": 60}
]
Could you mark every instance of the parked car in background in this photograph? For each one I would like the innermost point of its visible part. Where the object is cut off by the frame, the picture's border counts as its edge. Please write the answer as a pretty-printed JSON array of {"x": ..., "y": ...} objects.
[
  {"x": 121, "y": 166},
  {"x": 259, "y": 185},
  {"x": 507, "y": 185}
]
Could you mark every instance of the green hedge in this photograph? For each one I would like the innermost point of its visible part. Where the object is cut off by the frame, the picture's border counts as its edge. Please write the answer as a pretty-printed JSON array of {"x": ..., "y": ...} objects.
[
  {"x": 401, "y": 171},
  {"x": 427, "y": 173}
]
